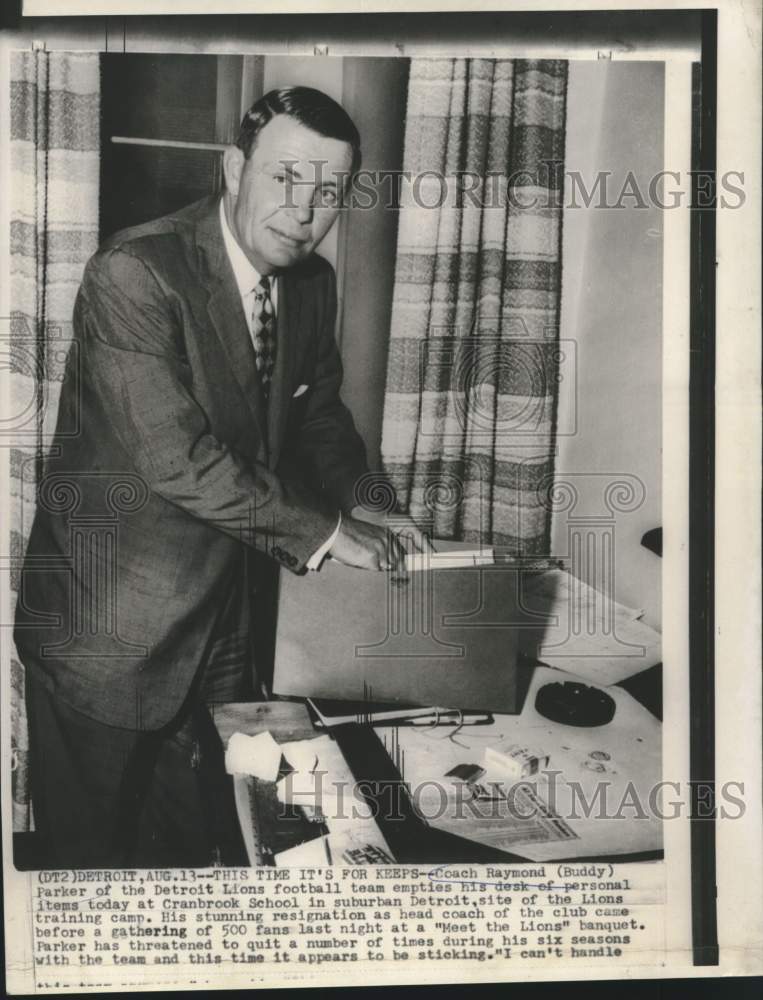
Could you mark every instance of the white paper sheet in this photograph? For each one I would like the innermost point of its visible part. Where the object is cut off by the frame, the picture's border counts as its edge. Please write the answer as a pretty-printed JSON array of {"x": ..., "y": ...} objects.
[
  {"x": 258, "y": 756},
  {"x": 587, "y": 633}
]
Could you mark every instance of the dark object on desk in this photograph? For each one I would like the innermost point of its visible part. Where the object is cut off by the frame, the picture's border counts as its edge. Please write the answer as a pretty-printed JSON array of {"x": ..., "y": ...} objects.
[
  {"x": 646, "y": 688},
  {"x": 574, "y": 704},
  {"x": 466, "y": 772},
  {"x": 652, "y": 540}
]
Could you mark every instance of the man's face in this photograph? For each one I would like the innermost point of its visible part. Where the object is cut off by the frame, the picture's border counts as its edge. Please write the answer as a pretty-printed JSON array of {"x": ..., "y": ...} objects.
[{"x": 284, "y": 199}]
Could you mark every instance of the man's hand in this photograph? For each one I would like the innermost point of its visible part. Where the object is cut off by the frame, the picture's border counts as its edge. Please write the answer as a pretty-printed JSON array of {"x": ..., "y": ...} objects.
[
  {"x": 400, "y": 525},
  {"x": 367, "y": 546}
]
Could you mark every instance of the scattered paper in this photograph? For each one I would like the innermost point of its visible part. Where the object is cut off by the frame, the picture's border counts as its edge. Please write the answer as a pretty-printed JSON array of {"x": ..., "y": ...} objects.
[
  {"x": 302, "y": 755},
  {"x": 299, "y": 788},
  {"x": 606, "y": 659},
  {"x": 559, "y": 592},
  {"x": 318, "y": 792},
  {"x": 258, "y": 756},
  {"x": 320, "y": 783},
  {"x": 311, "y": 854}
]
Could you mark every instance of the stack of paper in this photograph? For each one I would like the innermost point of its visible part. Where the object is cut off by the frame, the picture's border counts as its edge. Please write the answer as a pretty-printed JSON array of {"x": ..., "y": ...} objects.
[{"x": 449, "y": 559}]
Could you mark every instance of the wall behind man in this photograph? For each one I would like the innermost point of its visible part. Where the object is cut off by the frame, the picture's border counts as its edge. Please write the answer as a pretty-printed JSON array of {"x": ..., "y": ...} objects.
[
  {"x": 369, "y": 242},
  {"x": 612, "y": 313},
  {"x": 362, "y": 246}
]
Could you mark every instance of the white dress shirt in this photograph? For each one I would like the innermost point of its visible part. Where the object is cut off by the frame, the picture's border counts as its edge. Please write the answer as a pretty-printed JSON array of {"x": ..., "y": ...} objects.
[{"x": 247, "y": 278}]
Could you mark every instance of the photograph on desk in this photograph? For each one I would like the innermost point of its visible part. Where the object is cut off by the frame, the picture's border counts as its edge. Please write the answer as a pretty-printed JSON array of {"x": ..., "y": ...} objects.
[{"x": 337, "y": 522}]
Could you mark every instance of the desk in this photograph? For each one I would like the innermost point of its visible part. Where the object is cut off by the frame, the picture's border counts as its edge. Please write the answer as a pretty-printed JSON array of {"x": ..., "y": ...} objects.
[
  {"x": 625, "y": 766},
  {"x": 286, "y": 720}
]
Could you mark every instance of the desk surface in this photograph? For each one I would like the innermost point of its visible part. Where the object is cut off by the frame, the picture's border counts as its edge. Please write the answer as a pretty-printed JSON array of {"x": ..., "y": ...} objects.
[
  {"x": 286, "y": 720},
  {"x": 620, "y": 763},
  {"x": 610, "y": 768}
]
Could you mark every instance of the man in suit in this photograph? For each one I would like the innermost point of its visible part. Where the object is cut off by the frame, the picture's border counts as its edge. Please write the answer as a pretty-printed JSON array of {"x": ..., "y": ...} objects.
[{"x": 205, "y": 389}]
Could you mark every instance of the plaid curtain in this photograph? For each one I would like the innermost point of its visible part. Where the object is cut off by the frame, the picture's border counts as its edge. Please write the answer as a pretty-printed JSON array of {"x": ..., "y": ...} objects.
[
  {"x": 468, "y": 432},
  {"x": 55, "y": 143}
]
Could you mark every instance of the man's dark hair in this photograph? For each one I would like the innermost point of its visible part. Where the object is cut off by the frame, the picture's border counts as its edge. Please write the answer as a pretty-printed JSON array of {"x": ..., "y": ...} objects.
[{"x": 312, "y": 108}]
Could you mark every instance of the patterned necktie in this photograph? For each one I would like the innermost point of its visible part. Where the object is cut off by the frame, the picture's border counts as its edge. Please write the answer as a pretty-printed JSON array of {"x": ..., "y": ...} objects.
[{"x": 263, "y": 334}]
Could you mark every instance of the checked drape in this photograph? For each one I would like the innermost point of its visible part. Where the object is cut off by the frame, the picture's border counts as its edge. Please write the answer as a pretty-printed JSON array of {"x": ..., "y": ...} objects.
[
  {"x": 468, "y": 433},
  {"x": 55, "y": 144}
]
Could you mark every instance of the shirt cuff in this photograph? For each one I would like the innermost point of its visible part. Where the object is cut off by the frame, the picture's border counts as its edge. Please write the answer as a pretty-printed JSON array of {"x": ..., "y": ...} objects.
[{"x": 315, "y": 560}]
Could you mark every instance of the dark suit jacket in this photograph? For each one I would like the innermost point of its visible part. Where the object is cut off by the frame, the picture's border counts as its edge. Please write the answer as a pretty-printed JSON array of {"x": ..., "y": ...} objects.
[{"x": 135, "y": 564}]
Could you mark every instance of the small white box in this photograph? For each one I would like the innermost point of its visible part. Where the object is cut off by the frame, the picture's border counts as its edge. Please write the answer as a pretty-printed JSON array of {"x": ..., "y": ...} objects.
[{"x": 516, "y": 761}]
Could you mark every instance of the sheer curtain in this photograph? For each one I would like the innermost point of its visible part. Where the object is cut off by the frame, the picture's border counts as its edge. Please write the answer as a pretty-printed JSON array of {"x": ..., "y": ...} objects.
[
  {"x": 55, "y": 142},
  {"x": 468, "y": 431}
]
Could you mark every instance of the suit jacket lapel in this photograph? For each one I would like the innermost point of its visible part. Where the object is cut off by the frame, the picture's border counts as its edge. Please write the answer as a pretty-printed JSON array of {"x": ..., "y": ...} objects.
[
  {"x": 227, "y": 316},
  {"x": 287, "y": 329}
]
